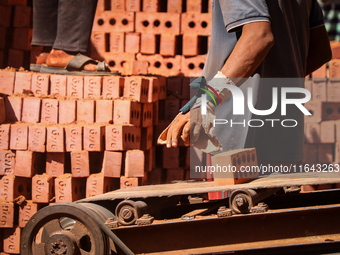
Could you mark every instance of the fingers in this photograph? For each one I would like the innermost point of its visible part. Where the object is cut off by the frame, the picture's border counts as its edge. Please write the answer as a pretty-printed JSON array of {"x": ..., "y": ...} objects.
[
  {"x": 186, "y": 134},
  {"x": 175, "y": 130}
]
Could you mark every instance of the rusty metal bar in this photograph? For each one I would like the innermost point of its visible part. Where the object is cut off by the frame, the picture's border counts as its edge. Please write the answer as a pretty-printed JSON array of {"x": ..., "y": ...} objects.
[{"x": 239, "y": 232}]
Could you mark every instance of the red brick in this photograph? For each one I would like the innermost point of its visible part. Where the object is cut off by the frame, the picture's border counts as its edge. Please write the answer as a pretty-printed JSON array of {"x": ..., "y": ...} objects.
[
  {"x": 26, "y": 164},
  {"x": 168, "y": 45},
  {"x": 112, "y": 164},
  {"x": 42, "y": 188},
  {"x": 333, "y": 90},
  {"x": 69, "y": 189},
  {"x": 327, "y": 132},
  {"x": 3, "y": 43},
  {"x": 19, "y": 137},
  {"x": 49, "y": 111},
  {"x": 174, "y": 86},
  {"x": 26, "y": 211},
  {"x": 153, "y": 89},
  {"x": 113, "y": 87},
  {"x": 325, "y": 153},
  {"x": 315, "y": 108},
  {"x": 312, "y": 132},
  {"x": 122, "y": 137},
  {"x": 135, "y": 68},
  {"x": 155, "y": 113},
  {"x": 319, "y": 88},
  {"x": 34, "y": 53},
  {"x": 67, "y": 111},
  {"x": 6, "y": 214},
  {"x": 117, "y": 42},
  {"x": 132, "y": 42},
  {"x": 40, "y": 84},
  {"x": 22, "y": 82},
  {"x": 6, "y": 14},
  {"x": 80, "y": 164},
  {"x": 101, "y": 6},
  {"x": 330, "y": 111},
  {"x": 147, "y": 138},
  {"x": 127, "y": 112},
  {"x": 4, "y": 136},
  {"x": 74, "y": 138},
  {"x": 193, "y": 66},
  {"x": 13, "y": 2},
  {"x": 337, "y": 130},
  {"x": 92, "y": 86},
  {"x": 175, "y": 6},
  {"x": 17, "y": 58},
  {"x": 31, "y": 109},
  {"x": 172, "y": 107},
  {"x": 308, "y": 84},
  {"x": 2, "y": 110},
  {"x": 22, "y": 39},
  {"x": 334, "y": 68},
  {"x": 55, "y": 163},
  {"x": 196, "y": 23},
  {"x": 150, "y": 6},
  {"x": 335, "y": 45},
  {"x": 85, "y": 111},
  {"x": 55, "y": 139},
  {"x": 12, "y": 240},
  {"x": 147, "y": 114},
  {"x": 114, "y": 22},
  {"x": 134, "y": 163},
  {"x": 321, "y": 72},
  {"x": 194, "y": 6},
  {"x": 13, "y": 106},
  {"x": 170, "y": 158},
  {"x": 75, "y": 86},
  {"x": 93, "y": 138},
  {"x": 104, "y": 111},
  {"x": 190, "y": 44},
  {"x": 12, "y": 187},
  {"x": 308, "y": 188},
  {"x": 98, "y": 44},
  {"x": 136, "y": 88},
  {"x": 98, "y": 184},
  {"x": 176, "y": 174},
  {"x": 133, "y": 5},
  {"x": 36, "y": 138},
  {"x": 148, "y": 44},
  {"x": 235, "y": 159},
  {"x": 126, "y": 182},
  {"x": 310, "y": 153},
  {"x": 118, "y": 5},
  {"x": 153, "y": 23},
  {"x": 7, "y": 162},
  {"x": 22, "y": 16},
  {"x": 155, "y": 176},
  {"x": 159, "y": 65},
  {"x": 58, "y": 85},
  {"x": 162, "y": 87},
  {"x": 116, "y": 60},
  {"x": 7, "y": 82}
]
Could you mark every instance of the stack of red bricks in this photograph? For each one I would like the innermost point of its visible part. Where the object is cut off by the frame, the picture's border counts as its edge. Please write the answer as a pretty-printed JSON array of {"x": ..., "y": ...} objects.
[
  {"x": 15, "y": 33},
  {"x": 322, "y": 129},
  {"x": 63, "y": 138},
  {"x": 157, "y": 37}
]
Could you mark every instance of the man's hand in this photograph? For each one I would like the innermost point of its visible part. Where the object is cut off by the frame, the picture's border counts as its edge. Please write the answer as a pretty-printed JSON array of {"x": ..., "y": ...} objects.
[{"x": 181, "y": 122}]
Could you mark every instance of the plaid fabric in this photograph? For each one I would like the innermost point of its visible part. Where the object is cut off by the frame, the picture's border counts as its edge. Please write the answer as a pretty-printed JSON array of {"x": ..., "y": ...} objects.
[{"x": 331, "y": 11}]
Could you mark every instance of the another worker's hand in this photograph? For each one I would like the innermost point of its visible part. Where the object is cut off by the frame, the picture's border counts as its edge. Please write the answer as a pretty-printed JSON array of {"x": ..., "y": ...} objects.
[{"x": 179, "y": 124}]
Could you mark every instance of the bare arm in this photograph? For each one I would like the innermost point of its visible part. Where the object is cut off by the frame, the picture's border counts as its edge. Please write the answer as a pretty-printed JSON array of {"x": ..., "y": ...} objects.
[{"x": 319, "y": 49}]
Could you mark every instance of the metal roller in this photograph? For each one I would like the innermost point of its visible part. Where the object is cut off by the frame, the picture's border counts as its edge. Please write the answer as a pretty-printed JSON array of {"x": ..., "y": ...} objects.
[{"x": 128, "y": 211}]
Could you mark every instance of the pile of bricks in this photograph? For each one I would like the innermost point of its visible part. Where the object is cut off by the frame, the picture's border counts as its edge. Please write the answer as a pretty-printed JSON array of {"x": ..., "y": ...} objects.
[
  {"x": 156, "y": 37},
  {"x": 322, "y": 128},
  {"x": 63, "y": 138},
  {"x": 15, "y": 33}
]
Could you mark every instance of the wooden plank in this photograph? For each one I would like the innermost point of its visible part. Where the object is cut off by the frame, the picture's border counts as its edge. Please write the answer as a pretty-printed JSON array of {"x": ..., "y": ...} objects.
[{"x": 166, "y": 190}]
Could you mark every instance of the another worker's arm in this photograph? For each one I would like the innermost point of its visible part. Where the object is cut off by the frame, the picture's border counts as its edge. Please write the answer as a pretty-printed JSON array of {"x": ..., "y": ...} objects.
[{"x": 252, "y": 47}]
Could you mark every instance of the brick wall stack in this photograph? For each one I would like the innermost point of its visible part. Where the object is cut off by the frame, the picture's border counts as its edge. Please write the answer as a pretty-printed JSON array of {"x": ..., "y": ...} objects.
[
  {"x": 322, "y": 129},
  {"x": 167, "y": 38},
  {"x": 15, "y": 33}
]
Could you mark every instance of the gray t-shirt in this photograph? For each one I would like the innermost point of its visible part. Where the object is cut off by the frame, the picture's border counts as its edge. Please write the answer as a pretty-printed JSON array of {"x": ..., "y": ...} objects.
[{"x": 291, "y": 21}]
